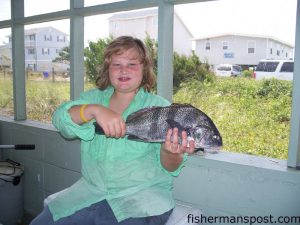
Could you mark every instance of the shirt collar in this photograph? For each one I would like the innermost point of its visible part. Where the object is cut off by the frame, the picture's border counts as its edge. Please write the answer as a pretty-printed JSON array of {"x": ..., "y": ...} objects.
[{"x": 135, "y": 104}]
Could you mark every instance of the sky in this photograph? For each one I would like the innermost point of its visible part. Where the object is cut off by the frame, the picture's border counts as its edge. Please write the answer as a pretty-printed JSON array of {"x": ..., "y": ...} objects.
[{"x": 275, "y": 18}]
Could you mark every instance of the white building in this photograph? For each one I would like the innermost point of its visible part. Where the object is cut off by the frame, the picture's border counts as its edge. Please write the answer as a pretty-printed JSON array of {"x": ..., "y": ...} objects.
[
  {"x": 141, "y": 23},
  {"x": 42, "y": 45},
  {"x": 241, "y": 49}
]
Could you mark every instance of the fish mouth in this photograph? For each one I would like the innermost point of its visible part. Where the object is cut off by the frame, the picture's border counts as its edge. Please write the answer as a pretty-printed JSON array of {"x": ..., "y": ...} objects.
[
  {"x": 209, "y": 149},
  {"x": 214, "y": 149}
]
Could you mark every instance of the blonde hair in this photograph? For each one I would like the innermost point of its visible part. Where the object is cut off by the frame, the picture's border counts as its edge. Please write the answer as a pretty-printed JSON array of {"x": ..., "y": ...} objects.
[{"x": 118, "y": 46}]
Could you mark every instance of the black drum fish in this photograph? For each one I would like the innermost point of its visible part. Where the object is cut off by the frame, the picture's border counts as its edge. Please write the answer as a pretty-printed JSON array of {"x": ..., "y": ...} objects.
[{"x": 151, "y": 125}]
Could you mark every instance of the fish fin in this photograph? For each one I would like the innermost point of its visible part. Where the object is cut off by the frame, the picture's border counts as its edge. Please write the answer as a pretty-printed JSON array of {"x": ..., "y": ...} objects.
[
  {"x": 140, "y": 112},
  {"x": 173, "y": 124},
  {"x": 133, "y": 138},
  {"x": 199, "y": 149},
  {"x": 98, "y": 129},
  {"x": 183, "y": 105}
]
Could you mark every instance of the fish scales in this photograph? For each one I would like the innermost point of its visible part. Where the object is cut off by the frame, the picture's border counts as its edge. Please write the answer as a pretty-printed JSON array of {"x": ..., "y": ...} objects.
[{"x": 151, "y": 125}]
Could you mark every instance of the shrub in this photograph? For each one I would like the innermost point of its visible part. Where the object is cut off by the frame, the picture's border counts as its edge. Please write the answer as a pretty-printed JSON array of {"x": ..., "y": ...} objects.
[{"x": 247, "y": 73}]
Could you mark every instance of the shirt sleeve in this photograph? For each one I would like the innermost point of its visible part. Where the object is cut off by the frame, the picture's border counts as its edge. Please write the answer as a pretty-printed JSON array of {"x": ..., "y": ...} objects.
[
  {"x": 176, "y": 172},
  {"x": 63, "y": 122}
]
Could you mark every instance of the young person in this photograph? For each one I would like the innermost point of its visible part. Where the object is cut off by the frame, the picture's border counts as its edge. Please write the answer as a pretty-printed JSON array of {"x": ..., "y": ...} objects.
[{"x": 123, "y": 181}]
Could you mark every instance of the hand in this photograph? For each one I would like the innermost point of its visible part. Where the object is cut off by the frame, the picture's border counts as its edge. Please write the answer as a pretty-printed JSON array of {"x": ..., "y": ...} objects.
[
  {"x": 111, "y": 122},
  {"x": 172, "y": 143}
]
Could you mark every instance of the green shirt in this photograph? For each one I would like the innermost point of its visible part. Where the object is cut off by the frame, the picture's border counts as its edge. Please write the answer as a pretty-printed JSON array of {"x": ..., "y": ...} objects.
[{"x": 128, "y": 174}]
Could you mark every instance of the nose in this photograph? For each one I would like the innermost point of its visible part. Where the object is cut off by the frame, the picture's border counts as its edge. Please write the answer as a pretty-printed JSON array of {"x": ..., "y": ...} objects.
[{"x": 124, "y": 69}]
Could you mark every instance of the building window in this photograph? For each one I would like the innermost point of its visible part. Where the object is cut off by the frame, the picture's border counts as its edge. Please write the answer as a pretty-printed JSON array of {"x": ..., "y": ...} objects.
[
  {"x": 31, "y": 51},
  {"x": 207, "y": 46},
  {"x": 278, "y": 52},
  {"x": 32, "y": 37},
  {"x": 61, "y": 38},
  {"x": 251, "y": 47},
  {"x": 45, "y": 51},
  {"x": 115, "y": 25},
  {"x": 48, "y": 37},
  {"x": 271, "y": 51},
  {"x": 225, "y": 45}
]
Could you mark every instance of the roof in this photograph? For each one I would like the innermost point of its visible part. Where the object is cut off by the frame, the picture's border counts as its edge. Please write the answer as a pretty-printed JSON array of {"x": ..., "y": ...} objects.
[
  {"x": 134, "y": 14},
  {"x": 142, "y": 14},
  {"x": 244, "y": 35},
  {"x": 41, "y": 29}
]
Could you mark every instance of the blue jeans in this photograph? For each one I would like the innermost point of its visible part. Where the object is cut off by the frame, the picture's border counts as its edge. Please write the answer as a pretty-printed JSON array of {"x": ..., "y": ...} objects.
[{"x": 97, "y": 214}]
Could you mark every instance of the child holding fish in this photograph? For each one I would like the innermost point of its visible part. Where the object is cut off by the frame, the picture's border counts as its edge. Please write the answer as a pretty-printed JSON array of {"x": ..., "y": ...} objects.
[{"x": 123, "y": 181}]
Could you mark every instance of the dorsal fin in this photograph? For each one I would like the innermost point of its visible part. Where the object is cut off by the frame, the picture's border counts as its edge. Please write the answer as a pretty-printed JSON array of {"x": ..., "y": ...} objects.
[
  {"x": 182, "y": 105},
  {"x": 140, "y": 112}
]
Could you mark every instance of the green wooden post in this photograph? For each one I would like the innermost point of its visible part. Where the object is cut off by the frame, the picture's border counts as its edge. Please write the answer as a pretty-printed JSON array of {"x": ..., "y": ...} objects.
[
  {"x": 76, "y": 50},
  {"x": 294, "y": 145},
  {"x": 18, "y": 60},
  {"x": 165, "y": 50}
]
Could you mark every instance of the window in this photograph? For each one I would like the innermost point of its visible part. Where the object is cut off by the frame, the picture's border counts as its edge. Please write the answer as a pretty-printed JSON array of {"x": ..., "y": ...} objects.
[
  {"x": 225, "y": 45},
  {"x": 96, "y": 2},
  {"x": 207, "y": 46},
  {"x": 189, "y": 12},
  {"x": 287, "y": 67},
  {"x": 267, "y": 66},
  {"x": 271, "y": 51},
  {"x": 36, "y": 7},
  {"x": 32, "y": 37},
  {"x": 251, "y": 47},
  {"x": 5, "y": 10},
  {"x": 31, "y": 51},
  {"x": 6, "y": 84},
  {"x": 45, "y": 51},
  {"x": 61, "y": 38},
  {"x": 48, "y": 37},
  {"x": 47, "y": 83}
]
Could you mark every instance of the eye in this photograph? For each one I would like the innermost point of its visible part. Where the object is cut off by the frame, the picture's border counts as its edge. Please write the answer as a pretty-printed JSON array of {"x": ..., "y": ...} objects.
[
  {"x": 116, "y": 65},
  {"x": 132, "y": 65}
]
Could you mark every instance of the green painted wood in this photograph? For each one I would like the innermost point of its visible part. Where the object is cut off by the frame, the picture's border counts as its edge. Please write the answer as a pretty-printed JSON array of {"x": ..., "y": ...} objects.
[
  {"x": 294, "y": 144},
  {"x": 77, "y": 50},
  {"x": 18, "y": 60},
  {"x": 165, "y": 50}
]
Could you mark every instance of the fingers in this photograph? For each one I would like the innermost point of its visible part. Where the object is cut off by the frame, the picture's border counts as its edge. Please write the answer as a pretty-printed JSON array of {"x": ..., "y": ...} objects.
[
  {"x": 115, "y": 129},
  {"x": 173, "y": 139}
]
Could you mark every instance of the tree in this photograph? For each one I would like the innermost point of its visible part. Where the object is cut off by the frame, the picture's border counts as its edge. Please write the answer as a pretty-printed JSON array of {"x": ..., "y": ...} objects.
[
  {"x": 152, "y": 46},
  {"x": 64, "y": 55},
  {"x": 185, "y": 67},
  {"x": 94, "y": 57}
]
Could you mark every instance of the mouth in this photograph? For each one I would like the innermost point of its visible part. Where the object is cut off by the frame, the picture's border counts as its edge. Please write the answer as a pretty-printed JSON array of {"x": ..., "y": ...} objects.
[
  {"x": 208, "y": 149},
  {"x": 213, "y": 149},
  {"x": 124, "y": 79}
]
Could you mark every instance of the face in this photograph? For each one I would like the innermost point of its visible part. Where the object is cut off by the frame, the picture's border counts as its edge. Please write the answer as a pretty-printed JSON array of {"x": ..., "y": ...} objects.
[{"x": 126, "y": 71}]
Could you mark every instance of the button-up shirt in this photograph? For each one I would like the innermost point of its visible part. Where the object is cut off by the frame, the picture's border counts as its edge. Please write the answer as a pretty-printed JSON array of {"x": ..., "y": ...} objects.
[{"x": 128, "y": 174}]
